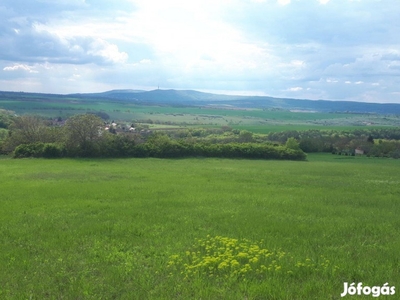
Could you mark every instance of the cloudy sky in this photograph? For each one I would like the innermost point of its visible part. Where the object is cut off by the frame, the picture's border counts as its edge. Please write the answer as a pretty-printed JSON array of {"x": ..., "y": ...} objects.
[{"x": 309, "y": 49}]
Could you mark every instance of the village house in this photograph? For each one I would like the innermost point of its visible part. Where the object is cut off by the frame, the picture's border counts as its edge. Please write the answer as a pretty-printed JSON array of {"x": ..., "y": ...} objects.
[{"x": 359, "y": 151}]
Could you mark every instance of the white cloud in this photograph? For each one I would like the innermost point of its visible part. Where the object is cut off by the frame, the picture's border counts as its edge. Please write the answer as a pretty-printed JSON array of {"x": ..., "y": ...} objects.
[
  {"x": 36, "y": 44},
  {"x": 298, "y": 63},
  {"x": 107, "y": 51},
  {"x": 295, "y": 89},
  {"x": 284, "y": 2},
  {"x": 191, "y": 40},
  {"x": 145, "y": 61},
  {"x": 330, "y": 80},
  {"x": 22, "y": 67}
]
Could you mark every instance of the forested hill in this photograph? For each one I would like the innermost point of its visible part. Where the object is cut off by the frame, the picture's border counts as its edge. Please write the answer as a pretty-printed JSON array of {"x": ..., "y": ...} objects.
[
  {"x": 195, "y": 98},
  {"x": 190, "y": 97}
]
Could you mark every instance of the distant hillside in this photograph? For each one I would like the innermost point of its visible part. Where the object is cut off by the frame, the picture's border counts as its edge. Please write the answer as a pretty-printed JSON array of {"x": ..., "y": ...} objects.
[{"x": 195, "y": 98}]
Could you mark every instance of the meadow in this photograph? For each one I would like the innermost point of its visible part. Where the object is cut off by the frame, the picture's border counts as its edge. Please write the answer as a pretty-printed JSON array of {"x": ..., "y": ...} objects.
[
  {"x": 197, "y": 228},
  {"x": 257, "y": 120}
]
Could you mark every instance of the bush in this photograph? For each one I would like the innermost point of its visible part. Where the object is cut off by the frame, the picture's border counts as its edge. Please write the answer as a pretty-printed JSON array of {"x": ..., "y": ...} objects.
[
  {"x": 47, "y": 150},
  {"x": 395, "y": 154},
  {"x": 29, "y": 150},
  {"x": 53, "y": 150},
  {"x": 162, "y": 147},
  {"x": 166, "y": 148}
]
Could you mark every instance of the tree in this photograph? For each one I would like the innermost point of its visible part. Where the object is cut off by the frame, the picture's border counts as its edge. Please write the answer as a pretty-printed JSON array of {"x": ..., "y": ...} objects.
[
  {"x": 83, "y": 134},
  {"x": 292, "y": 143},
  {"x": 5, "y": 118},
  {"x": 28, "y": 130},
  {"x": 245, "y": 136}
]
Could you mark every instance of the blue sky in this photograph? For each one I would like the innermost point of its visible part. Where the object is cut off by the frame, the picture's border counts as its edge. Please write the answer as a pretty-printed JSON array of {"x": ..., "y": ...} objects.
[{"x": 307, "y": 49}]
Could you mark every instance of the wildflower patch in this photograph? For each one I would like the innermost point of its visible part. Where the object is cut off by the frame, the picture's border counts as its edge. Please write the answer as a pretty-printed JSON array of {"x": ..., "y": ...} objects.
[{"x": 224, "y": 257}]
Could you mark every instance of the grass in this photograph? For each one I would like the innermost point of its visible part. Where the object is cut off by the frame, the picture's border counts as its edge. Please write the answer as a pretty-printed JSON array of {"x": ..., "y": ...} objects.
[
  {"x": 54, "y": 106},
  {"x": 122, "y": 228},
  {"x": 255, "y": 120},
  {"x": 268, "y": 128}
]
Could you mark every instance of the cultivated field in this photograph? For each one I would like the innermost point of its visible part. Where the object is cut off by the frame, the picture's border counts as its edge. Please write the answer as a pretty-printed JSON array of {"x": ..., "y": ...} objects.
[
  {"x": 197, "y": 228},
  {"x": 256, "y": 120}
]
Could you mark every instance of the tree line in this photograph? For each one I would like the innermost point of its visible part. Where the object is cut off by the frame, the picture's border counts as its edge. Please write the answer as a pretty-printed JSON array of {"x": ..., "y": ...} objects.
[
  {"x": 84, "y": 136},
  {"x": 376, "y": 142}
]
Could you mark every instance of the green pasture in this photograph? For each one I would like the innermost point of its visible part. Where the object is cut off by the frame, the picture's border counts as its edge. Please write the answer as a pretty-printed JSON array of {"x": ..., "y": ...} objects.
[
  {"x": 255, "y": 120},
  {"x": 268, "y": 128},
  {"x": 55, "y": 105},
  {"x": 197, "y": 228}
]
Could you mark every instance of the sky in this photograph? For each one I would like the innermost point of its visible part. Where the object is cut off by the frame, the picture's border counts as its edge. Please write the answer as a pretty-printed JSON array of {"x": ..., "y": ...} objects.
[{"x": 305, "y": 49}]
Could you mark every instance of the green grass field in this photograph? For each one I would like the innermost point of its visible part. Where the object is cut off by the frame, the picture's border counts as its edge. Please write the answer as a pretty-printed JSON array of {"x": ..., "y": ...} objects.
[
  {"x": 197, "y": 228},
  {"x": 255, "y": 120}
]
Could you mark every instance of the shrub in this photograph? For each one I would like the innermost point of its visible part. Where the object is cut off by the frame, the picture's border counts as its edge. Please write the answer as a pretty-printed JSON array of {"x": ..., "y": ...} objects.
[
  {"x": 53, "y": 150},
  {"x": 29, "y": 150},
  {"x": 47, "y": 150},
  {"x": 166, "y": 148}
]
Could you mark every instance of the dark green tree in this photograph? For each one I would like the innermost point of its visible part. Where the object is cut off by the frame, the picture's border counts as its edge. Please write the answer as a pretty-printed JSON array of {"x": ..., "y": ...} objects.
[
  {"x": 83, "y": 135},
  {"x": 29, "y": 129}
]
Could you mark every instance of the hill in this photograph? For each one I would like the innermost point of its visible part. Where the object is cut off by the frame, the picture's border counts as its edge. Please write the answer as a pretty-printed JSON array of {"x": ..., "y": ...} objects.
[{"x": 196, "y": 98}]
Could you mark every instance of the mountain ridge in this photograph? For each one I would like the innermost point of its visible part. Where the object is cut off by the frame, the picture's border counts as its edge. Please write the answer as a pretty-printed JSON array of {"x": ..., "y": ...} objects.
[
  {"x": 173, "y": 97},
  {"x": 196, "y": 98}
]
